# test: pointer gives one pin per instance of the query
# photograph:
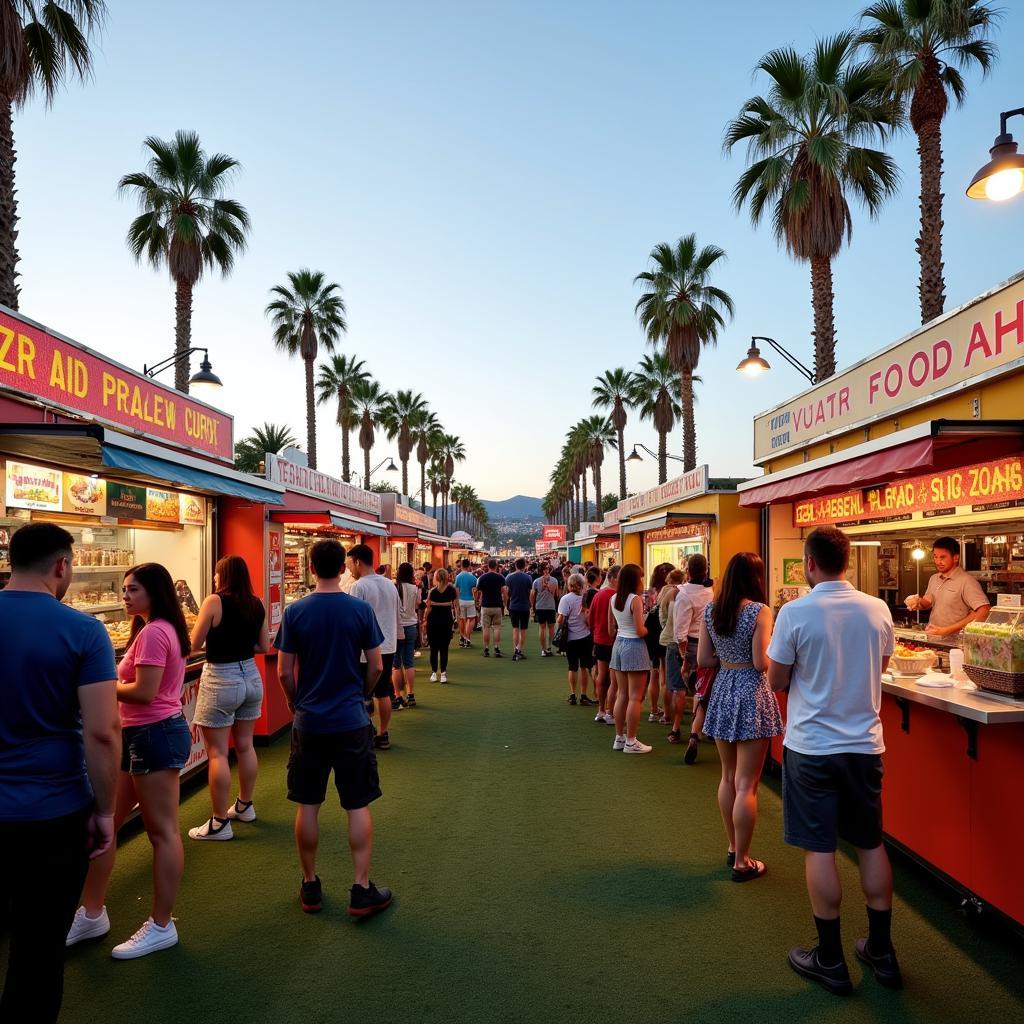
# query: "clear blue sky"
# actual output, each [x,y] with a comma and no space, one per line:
[484,180]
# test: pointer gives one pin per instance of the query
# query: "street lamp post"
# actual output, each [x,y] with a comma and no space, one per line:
[635,456]
[391,468]
[204,378]
[755,364]
[1003,176]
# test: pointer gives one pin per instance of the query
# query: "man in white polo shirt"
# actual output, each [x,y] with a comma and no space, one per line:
[829,650]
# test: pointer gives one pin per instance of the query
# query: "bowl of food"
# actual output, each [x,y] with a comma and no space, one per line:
[909,659]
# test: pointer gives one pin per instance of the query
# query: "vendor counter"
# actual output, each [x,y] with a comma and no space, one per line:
[954,772]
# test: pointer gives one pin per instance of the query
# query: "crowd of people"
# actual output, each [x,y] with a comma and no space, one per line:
[83,740]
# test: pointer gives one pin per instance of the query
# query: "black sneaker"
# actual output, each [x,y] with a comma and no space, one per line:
[833,979]
[487,653]
[396,704]
[311,896]
[587,702]
[885,968]
[515,655]
[410,701]
[382,742]
[572,699]
[547,653]
[365,902]
[497,653]
[522,656]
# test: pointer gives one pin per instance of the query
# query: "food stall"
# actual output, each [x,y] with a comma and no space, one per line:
[920,441]
[133,470]
[412,535]
[691,514]
[607,542]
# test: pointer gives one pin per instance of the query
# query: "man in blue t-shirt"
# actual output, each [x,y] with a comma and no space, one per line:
[327,633]
[520,586]
[465,584]
[60,749]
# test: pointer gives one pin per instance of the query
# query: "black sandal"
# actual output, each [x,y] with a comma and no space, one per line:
[691,749]
[756,870]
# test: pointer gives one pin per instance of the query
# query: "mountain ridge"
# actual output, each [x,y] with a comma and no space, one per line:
[519,506]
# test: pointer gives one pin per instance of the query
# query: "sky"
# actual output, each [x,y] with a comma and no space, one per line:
[484,180]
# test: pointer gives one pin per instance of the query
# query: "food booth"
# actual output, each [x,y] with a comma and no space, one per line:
[920,441]
[135,472]
[461,547]
[691,514]
[412,535]
[608,542]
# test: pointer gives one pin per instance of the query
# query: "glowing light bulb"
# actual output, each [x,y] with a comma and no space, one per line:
[753,369]
[1005,184]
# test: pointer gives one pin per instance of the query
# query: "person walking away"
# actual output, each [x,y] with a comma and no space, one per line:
[693,597]
[404,676]
[465,584]
[519,585]
[630,664]
[654,647]
[442,614]
[597,620]
[544,600]
[580,645]
[490,589]
[380,594]
[155,744]
[328,662]
[232,626]
[743,713]
[425,578]
[592,583]
[674,693]
[60,743]
[829,651]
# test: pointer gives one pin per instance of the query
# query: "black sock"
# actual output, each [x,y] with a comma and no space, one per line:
[880,931]
[830,944]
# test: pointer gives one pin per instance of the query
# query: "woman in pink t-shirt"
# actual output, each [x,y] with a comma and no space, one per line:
[156,742]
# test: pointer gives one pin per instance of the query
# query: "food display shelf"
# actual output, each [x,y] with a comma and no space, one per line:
[101,568]
[96,609]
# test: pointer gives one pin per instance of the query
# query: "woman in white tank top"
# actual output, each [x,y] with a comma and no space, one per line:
[631,663]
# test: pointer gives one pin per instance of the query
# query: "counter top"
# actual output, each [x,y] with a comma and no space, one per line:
[919,636]
[975,705]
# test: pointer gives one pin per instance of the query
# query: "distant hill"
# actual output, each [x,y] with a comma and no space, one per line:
[518,507]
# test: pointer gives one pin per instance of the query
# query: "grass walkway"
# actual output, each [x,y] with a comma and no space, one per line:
[538,877]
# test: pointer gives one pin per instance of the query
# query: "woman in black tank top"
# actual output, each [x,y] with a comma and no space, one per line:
[232,624]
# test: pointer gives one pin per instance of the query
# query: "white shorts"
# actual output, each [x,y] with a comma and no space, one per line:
[467,610]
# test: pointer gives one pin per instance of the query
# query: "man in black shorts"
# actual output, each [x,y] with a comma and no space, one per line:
[829,650]
[519,585]
[544,601]
[326,633]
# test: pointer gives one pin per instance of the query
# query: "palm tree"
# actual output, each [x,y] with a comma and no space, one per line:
[250,451]
[613,391]
[426,431]
[399,411]
[368,400]
[450,450]
[305,316]
[337,377]
[435,480]
[806,159]
[187,224]
[600,434]
[925,44]
[682,311]
[41,46]
[657,396]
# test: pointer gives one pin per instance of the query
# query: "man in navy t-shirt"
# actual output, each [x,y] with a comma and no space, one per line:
[519,585]
[490,589]
[327,633]
[60,749]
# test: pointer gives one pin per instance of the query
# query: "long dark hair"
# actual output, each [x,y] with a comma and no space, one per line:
[630,576]
[659,574]
[406,574]
[233,581]
[743,578]
[156,581]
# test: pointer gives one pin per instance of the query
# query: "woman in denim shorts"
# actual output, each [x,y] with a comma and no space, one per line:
[630,664]
[404,671]
[232,624]
[156,743]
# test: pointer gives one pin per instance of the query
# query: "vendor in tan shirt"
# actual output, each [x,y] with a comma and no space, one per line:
[953,597]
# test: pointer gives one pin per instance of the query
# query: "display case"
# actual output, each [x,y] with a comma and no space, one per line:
[994,651]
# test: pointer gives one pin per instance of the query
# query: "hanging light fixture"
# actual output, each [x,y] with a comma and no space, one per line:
[1002,177]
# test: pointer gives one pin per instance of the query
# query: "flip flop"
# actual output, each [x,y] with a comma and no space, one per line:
[730,859]
[756,870]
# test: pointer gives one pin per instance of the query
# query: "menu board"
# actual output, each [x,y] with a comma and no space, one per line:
[193,510]
[86,495]
[162,506]
[126,501]
[34,487]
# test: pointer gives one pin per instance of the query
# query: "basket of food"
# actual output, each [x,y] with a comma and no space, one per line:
[909,660]
[992,679]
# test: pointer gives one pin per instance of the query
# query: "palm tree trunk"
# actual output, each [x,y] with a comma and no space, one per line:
[586,504]
[345,473]
[689,426]
[182,334]
[434,496]
[622,463]
[423,486]
[932,286]
[405,476]
[662,457]
[8,210]
[598,497]
[310,414]
[366,468]
[822,300]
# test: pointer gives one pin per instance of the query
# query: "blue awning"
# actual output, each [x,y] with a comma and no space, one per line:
[231,483]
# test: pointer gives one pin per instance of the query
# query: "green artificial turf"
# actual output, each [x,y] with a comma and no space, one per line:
[538,876]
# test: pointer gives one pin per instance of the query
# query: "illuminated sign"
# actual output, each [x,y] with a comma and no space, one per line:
[85,495]
[62,374]
[985,337]
[986,485]
[319,485]
[691,531]
[686,486]
[34,487]
[554,534]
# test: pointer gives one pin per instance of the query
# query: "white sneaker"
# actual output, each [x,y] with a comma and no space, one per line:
[636,747]
[417,654]
[433,677]
[242,812]
[148,939]
[599,717]
[85,927]
[620,743]
[609,718]
[654,717]
[444,677]
[208,831]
